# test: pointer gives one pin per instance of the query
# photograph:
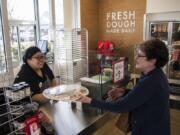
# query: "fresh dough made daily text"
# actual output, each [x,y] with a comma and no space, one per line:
[120,22]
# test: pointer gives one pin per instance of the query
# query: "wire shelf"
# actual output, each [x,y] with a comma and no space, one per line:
[10,109]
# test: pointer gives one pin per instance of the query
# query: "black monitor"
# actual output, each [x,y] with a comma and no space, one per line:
[43,46]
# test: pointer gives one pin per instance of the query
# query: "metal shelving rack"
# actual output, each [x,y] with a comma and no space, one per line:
[15,109]
[12,107]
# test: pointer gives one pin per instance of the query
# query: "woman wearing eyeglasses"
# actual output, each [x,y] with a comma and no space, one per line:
[148,101]
[36,73]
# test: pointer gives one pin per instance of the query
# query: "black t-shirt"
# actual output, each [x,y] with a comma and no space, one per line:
[28,75]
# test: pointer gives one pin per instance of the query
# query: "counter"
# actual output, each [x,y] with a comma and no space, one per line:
[70,120]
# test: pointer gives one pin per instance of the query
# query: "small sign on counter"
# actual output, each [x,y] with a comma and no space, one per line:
[120,69]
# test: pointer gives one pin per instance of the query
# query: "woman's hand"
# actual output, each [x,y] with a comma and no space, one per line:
[85,99]
[116,93]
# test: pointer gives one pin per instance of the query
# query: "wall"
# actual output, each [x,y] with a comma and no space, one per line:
[68,7]
[89,20]
[94,18]
[157,6]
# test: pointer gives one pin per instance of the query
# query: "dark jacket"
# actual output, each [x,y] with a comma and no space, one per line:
[148,102]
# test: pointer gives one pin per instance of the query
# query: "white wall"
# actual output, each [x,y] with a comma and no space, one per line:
[159,6]
[68,16]
[71,13]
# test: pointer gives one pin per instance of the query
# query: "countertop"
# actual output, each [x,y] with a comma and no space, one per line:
[70,120]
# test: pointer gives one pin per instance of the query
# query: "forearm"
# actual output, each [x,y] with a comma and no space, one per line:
[116,106]
[53,83]
[138,96]
[39,98]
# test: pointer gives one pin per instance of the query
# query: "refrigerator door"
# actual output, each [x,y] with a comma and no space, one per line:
[176,33]
[159,30]
[174,63]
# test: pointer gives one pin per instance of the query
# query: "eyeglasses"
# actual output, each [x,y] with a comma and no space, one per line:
[41,57]
[139,55]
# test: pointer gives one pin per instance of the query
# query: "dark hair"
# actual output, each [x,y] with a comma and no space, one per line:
[155,49]
[30,52]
